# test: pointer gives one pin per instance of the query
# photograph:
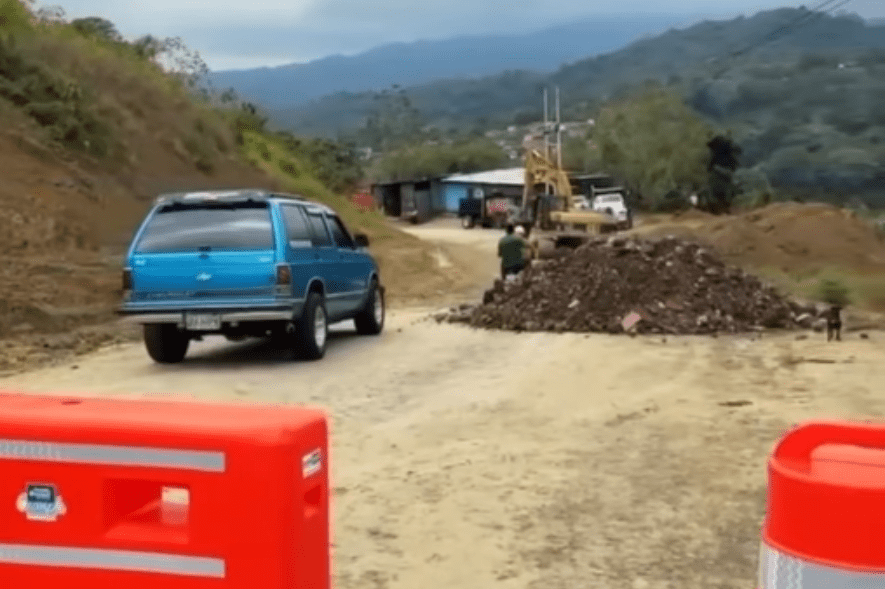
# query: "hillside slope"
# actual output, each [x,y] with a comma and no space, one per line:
[90,134]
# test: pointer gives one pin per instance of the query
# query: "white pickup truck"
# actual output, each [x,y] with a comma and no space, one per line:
[612,203]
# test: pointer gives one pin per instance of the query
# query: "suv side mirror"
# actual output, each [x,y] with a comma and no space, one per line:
[361,240]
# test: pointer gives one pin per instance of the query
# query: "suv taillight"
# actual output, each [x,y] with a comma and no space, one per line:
[284,275]
[127,279]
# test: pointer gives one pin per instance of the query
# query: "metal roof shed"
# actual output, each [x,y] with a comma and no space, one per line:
[508,182]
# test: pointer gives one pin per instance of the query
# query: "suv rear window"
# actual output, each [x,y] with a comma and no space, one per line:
[190,227]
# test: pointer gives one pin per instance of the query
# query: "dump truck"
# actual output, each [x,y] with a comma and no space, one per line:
[486,211]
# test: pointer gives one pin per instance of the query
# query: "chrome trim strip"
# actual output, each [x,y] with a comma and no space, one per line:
[112,455]
[112,560]
[257,316]
[152,318]
[349,293]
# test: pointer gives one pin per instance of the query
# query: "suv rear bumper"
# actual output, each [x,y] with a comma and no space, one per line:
[228,315]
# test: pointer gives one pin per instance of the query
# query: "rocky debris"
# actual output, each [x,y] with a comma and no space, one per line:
[621,285]
[459,314]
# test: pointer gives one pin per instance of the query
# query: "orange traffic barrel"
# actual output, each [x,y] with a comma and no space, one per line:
[825,525]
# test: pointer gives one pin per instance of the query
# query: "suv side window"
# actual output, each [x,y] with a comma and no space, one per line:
[319,232]
[339,233]
[296,224]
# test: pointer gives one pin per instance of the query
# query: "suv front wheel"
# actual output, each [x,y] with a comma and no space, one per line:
[165,343]
[312,331]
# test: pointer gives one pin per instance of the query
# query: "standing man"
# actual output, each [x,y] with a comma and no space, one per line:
[511,250]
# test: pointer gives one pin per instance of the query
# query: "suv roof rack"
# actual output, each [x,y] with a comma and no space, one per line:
[222,195]
[254,194]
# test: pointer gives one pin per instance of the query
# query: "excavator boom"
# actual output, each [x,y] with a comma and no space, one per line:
[540,171]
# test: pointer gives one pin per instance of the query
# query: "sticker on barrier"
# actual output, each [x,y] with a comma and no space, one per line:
[41,502]
[311,464]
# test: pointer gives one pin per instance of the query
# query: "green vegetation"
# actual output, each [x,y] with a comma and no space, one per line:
[655,143]
[427,161]
[55,101]
[273,155]
[88,88]
[59,73]
[831,286]
[806,110]
[335,164]
[833,292]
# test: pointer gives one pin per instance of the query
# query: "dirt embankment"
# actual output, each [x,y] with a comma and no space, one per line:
[789,237]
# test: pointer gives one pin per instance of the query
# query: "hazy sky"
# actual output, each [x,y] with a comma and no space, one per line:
[234,34]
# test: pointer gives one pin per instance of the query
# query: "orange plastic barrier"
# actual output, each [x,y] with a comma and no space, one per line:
[98,493]
[826,508]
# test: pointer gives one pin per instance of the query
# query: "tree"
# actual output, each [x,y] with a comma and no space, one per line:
[423,161]
[178,59]
[655,142]
[148,47]
[393,122]
[94,26]
[15,15]
[50,14]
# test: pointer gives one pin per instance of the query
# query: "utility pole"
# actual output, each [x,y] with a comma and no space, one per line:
[547,187]
[544,131]
[558,133]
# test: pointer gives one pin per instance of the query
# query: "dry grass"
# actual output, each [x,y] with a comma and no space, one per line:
[864,290]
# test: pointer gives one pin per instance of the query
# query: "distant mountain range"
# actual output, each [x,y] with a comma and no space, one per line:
[806,105]
[698,54]
[408,64]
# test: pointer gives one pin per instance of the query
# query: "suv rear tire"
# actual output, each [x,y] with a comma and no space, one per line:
[165,343]
[370,321]
[312,330]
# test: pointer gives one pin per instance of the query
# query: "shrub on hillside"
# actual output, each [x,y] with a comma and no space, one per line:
[55,102]
[833,292]
[14,16]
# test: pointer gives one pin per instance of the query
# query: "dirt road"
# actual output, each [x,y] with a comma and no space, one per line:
[468,459]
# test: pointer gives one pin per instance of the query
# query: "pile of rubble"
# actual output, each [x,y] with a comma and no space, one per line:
[618,285]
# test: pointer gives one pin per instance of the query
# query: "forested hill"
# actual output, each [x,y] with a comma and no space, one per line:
[695,56]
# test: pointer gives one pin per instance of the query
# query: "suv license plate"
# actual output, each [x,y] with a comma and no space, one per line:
[202,322]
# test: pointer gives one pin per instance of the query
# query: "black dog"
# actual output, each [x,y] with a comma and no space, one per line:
[834,323]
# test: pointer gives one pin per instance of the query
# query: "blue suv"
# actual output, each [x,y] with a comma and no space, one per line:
[247,263]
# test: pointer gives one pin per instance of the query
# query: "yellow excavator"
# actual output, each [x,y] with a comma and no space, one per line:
[550,211]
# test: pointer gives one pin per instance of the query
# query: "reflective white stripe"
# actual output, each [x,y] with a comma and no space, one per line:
[112,560]
[112,455]
[782,571]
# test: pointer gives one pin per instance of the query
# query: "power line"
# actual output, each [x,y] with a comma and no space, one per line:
[824,8]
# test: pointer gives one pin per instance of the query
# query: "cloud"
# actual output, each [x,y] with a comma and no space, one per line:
[236,34]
